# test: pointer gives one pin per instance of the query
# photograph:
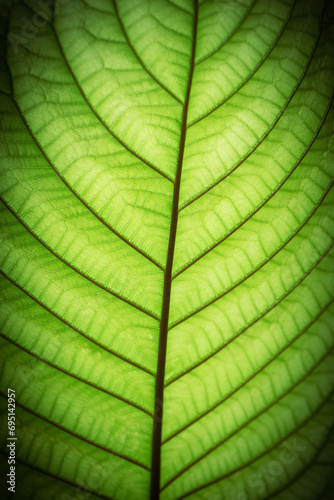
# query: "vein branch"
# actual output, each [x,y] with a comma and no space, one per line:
[249,421]
[257,67]
[137,56]
[118,139]
[80,332]
[79,379]
[93,212]
[78,487]
[220,296]
[75,269]
[262,315]
[303,471]
[100,119]
[276,445]
[253,375]
[224,42]
[270,129]
[77,436]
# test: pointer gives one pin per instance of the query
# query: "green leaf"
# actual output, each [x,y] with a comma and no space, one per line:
[166,248]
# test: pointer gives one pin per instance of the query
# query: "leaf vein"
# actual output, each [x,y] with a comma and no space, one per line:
[80,332]
[65,372]
[291,388]
[77,436]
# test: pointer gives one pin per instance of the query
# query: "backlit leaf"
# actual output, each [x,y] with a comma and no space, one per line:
[166,248]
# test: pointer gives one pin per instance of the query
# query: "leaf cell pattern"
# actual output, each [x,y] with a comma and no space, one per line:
[166,248]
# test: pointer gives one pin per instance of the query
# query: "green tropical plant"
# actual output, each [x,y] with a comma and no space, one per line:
[166,248]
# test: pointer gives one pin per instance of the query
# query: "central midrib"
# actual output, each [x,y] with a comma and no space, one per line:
[159,386]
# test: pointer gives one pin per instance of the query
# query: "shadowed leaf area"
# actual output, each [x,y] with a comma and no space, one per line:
[166,237]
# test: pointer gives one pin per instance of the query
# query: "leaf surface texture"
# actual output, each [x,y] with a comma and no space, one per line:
[166,248]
